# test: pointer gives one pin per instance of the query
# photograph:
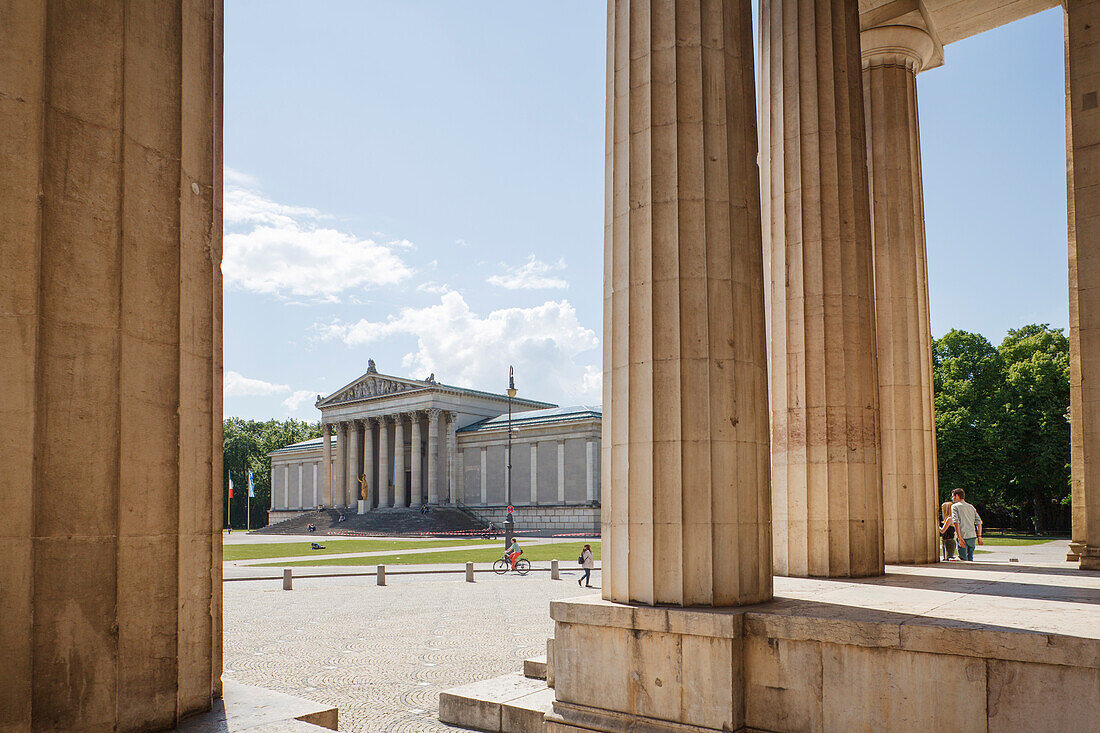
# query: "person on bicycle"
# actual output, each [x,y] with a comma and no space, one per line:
[514,552]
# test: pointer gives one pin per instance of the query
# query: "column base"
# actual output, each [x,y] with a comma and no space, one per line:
[824,655]
[1074,552]
[1090,558]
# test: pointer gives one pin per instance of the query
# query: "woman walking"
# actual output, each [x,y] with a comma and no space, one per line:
[587,563]
[947,531]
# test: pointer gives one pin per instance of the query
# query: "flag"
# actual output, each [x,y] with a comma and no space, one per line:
[230,487]
[251,486]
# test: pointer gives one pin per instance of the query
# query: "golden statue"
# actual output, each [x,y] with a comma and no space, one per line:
[363,487]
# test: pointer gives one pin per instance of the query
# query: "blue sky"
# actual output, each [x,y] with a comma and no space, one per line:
[421,182]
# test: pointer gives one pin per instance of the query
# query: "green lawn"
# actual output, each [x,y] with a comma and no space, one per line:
[296,549]
[564,551]
[1009,541]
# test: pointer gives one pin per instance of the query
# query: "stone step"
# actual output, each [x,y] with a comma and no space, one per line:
[509,704]
[251,709]
[535,668]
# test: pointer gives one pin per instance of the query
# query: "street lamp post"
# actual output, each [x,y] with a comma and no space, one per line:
[509,523]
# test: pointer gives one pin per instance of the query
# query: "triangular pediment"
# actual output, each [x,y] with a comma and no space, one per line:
[372,385]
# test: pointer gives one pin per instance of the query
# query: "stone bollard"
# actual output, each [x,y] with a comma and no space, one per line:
[554,573]
[381,575]
[469,572]
[288,574]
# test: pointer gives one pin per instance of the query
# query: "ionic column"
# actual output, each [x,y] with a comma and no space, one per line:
[351,486]
[1083,183]
[892,57]
[534,473]
[341,465]
[433,456]
[826,480]
[590,471]
[326,458]
[399,490]
[452,457]
[385,498]
[484,477]
[415,457]
[687,512]
[561,471]
[368,463]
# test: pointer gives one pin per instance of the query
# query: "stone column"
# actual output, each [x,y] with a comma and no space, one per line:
[484,476]
[1083,141]
[400,492]
[561,471]
[326,468]
[685,393]
[452,457]
[416,458]
[826,480]
[368,462]
[385,498]
[892,57]
[351,486]
[433,456]
[110,364]
[341,477]
[534,473]
[590,471]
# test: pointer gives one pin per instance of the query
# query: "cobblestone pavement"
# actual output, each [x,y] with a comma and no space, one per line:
[383,654]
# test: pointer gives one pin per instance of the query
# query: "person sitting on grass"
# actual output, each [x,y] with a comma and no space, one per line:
[514,552]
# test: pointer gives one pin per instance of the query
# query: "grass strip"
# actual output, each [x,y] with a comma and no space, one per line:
[567,552]
[333,547]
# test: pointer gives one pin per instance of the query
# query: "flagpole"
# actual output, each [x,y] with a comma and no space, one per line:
[248,512]
[229,505]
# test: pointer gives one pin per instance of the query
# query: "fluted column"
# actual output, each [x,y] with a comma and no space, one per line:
[326,465]
[351,486]
[414,456]
[399,490]
[341,478]
[1083,183]
[826,481]
[892,57]
[385,498]
[110,364]
[368,462]
[687,507]
[433,456]
[452,457]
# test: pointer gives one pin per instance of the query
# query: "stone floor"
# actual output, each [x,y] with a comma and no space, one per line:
[383,654]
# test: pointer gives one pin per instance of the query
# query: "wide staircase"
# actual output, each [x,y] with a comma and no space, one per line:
[394,522]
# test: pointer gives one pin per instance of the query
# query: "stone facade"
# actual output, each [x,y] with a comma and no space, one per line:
[408,442]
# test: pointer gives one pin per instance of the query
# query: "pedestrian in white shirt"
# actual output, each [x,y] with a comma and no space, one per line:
[968,525]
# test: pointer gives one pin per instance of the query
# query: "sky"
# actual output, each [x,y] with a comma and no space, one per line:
[421,182]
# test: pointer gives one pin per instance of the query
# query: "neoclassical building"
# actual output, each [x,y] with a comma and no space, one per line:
[398,442]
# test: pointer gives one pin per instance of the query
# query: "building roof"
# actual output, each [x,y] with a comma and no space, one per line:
[303,445]
[532,418]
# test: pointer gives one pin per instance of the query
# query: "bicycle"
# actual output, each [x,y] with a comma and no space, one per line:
[503,565]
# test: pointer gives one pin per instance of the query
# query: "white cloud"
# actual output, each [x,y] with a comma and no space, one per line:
[286,250]
[300,397]
[433,287]
[238,385]
[531,275]
[551,350]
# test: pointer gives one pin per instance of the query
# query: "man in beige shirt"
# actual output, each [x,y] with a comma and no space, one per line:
[968,525]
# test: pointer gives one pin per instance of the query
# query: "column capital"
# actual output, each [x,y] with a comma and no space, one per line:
[897,45]
[434,413]
[381,420]
[452,416]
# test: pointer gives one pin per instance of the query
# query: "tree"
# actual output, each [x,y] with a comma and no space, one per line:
[245,445]
[967,373]
[1033,427]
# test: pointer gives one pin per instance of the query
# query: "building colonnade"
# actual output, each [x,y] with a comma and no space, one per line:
[371,459]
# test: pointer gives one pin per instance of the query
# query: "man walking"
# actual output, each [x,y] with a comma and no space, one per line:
[968,525]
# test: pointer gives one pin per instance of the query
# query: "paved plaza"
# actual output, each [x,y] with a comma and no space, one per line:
[383,654]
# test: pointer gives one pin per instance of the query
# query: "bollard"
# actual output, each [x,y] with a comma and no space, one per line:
[381,575]
[469,572]
[554,574]
[288,574]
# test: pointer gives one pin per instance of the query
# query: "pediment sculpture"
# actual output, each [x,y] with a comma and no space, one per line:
[372,387]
